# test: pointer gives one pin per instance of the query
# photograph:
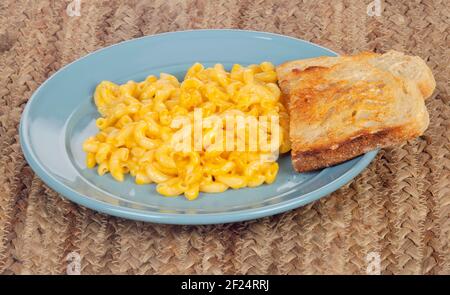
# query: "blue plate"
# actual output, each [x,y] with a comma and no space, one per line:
[61,114]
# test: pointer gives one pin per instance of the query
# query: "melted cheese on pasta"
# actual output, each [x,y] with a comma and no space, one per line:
[136,129]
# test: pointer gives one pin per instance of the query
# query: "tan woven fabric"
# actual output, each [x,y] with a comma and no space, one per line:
[399,207]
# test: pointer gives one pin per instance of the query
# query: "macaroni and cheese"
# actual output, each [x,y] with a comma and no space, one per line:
[140,130]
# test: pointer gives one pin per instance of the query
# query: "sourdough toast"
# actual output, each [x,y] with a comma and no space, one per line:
[342,107]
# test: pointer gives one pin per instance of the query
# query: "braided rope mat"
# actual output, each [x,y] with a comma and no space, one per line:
[398,208]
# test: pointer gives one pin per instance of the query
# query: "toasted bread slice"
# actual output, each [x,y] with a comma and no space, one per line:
[397,63]
[343,107]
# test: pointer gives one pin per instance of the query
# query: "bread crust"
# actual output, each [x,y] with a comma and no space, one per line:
[349,149]
[428,84]
[343,107]
[412,64]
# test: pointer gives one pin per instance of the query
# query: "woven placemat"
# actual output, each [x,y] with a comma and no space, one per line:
[396,211]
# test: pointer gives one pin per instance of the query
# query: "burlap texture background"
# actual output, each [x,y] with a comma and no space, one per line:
[399,207]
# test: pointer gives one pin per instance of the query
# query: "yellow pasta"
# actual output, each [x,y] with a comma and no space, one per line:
[143,124]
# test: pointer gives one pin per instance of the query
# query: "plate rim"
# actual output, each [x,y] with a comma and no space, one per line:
[176,218]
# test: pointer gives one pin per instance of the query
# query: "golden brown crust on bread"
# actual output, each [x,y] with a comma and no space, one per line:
[399,64]
[342,107]
[349,149]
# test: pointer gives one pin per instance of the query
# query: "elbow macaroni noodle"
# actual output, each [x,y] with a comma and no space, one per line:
[215,130]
